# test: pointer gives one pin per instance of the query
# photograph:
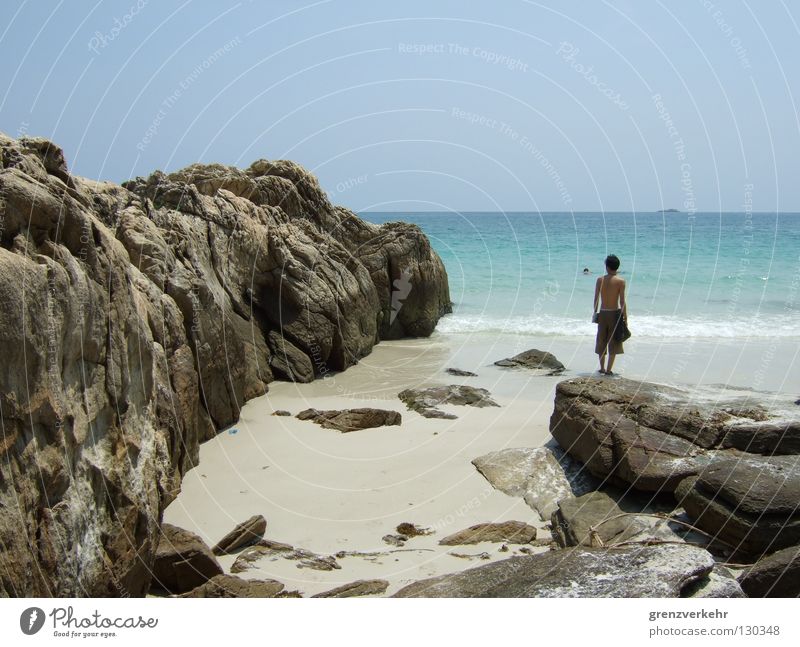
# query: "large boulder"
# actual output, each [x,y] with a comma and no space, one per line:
[138,319]
[596,519]
[541,475]
[652,437]
[774,576]
[750,504]
[230,586]
[651,571]
[183,561]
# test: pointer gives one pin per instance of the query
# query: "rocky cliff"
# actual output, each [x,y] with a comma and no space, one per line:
[137,320]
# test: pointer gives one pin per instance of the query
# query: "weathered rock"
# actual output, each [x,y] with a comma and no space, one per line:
[356,589]
[182,561]
[542,475]
[651,571]
[652,436]
[511,532]
[719,583]
[774,576]
[230,586]
[244,534]
[267,550]
[412,530]
[460,372]
[152,312]
[282,412]
[596,519]
[425,401]
[747,504]
[534,359]
[348,420]
[395,540]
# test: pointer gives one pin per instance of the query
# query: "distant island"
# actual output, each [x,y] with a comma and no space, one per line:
[668,211]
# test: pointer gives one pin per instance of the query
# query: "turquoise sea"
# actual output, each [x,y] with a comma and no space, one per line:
[712,275]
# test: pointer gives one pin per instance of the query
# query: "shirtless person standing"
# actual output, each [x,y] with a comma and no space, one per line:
[609,291]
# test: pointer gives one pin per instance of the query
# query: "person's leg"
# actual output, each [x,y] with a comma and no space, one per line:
[603,363]
[611,358]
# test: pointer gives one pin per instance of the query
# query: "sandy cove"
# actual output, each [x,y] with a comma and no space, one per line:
[328,492]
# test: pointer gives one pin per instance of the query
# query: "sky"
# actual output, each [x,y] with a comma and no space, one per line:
[431,105]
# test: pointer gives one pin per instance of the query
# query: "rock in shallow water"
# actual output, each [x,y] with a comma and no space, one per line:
[652,571]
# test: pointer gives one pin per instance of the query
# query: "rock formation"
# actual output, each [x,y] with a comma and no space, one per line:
[510,532]
[138,319]
[347,420]
[425,401]
[652,571]
[538,360]
[183,561]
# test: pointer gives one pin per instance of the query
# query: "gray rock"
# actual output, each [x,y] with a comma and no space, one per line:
[412,530]
[152,312]
[267,550]
[542,475]
[347,420]
[360,588]
[230,586]
[425,401]
[774,576]
[182,561]
[395,540]
[460,372]
[651,436]
[719,583]
[539,360]
[511,532]
[282,412]
[651,571]
[743,533]
[244,534]
[596,520]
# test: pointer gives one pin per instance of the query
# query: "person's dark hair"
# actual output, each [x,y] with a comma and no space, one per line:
[612,262]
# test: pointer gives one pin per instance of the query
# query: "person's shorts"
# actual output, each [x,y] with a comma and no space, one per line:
[605,343]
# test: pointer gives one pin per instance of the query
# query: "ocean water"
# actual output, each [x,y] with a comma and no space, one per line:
[729,275]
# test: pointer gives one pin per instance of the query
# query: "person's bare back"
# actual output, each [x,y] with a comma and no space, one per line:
[611,289]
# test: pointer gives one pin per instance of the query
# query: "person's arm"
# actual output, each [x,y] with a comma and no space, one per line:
[622,303]
[597,293]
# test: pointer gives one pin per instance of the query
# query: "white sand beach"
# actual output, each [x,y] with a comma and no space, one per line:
[328,492]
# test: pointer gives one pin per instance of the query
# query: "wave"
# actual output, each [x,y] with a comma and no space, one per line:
[664,326]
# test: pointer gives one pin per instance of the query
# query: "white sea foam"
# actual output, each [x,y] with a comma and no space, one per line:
[765,326]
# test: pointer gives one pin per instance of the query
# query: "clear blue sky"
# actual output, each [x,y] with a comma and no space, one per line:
[425,105]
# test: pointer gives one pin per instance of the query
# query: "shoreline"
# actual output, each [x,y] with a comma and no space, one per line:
[329,492]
